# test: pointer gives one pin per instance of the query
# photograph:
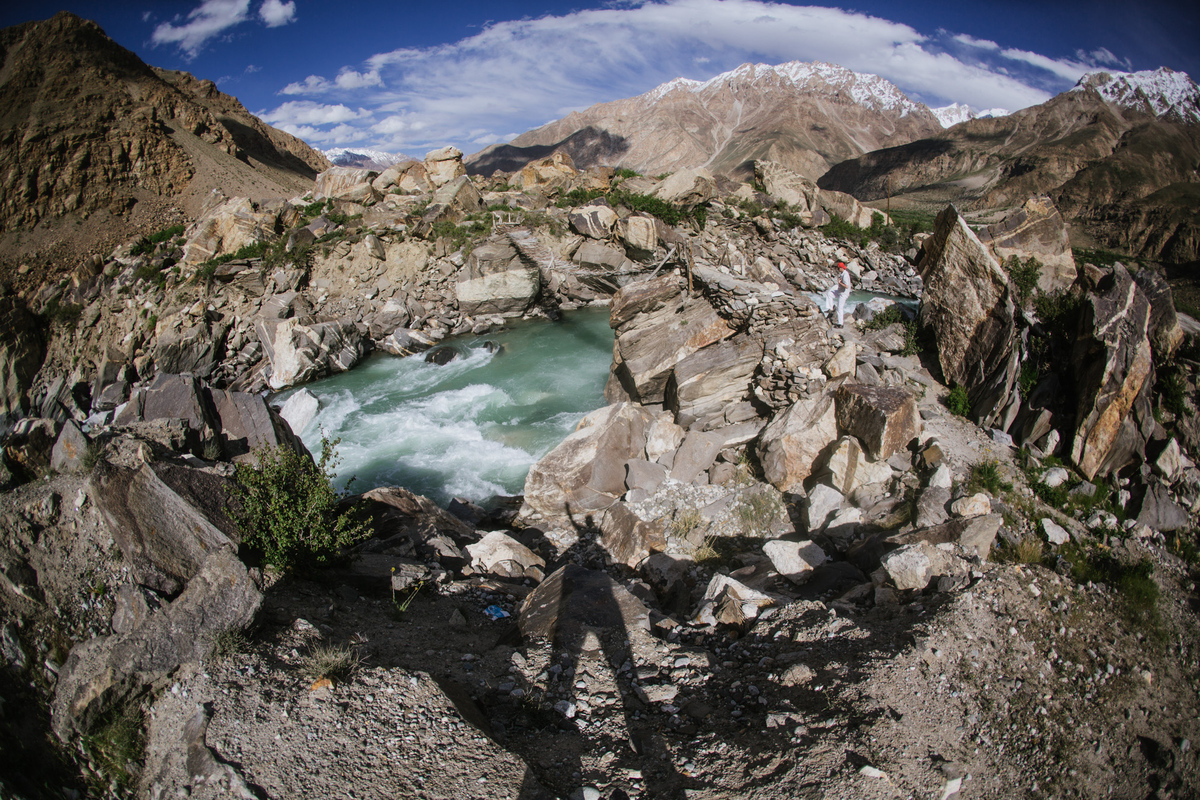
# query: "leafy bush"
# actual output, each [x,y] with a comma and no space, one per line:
[577,197]
[958,402]
[288,509]
[1024,275]
[624,172]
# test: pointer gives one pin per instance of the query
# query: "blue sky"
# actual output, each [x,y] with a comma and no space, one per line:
[409,77]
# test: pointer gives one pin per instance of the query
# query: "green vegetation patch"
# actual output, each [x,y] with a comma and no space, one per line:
[288,510]
[146,244]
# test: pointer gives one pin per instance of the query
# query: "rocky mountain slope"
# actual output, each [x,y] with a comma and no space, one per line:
[1118,154]
[94,140]
[806,116]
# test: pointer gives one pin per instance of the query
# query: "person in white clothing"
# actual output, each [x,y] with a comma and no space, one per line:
[841,291]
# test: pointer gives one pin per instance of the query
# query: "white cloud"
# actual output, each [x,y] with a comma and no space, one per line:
[499,79]
[208,20]
[306,112]
[275,13]
[349,79]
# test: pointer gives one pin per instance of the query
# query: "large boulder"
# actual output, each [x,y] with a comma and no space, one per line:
[795,438]
[585,473]
[712,378]
[968,304]
[1036,230]
[497,553]
[628,538]
[166,519]
[172,397]
[595,220]
[227,226]
[453,201]
[1114,376]
[22,349]
[785,185]
[849,467]
[639,233]
[302,352]
[688,187]
[883,418]
[497,280]
[554,171]
[101,672]
[352,184]
[246,423]
[444,165]
[190,345]
[650,342]
[1166,333]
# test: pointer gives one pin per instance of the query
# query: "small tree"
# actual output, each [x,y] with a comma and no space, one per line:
[289,508]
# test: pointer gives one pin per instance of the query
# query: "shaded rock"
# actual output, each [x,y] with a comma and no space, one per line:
[22,349]
[132,605]
[969,306]
[454,201]
[1171,462]
[629,539]
[1113,371]
[642,297]
[1036,230]
[884,418]
[441,356]
[408,524]
[1166,334]
[794,560]
[697,453]
[668,577]
[1158,511]
[823,502]
[69,449]
[729,602]
[593,255]
[795,438]
[497,553]
[931,506]
[31,446]
[172,397]
[849,467]
[572,600]
[101,672]
[166,519]
[197,349]
[644,475]
[586,471]
[245,423]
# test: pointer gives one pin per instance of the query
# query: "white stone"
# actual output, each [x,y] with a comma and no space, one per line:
[1055,533]
[941,478]
[500,554]
[974,506]
[794,560]
[1055,476]
[823,502]
[300,409]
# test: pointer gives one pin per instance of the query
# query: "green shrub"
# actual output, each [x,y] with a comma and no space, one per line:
[64,314]
[986,475]
[1090,564]
[116,745]
[959,402]
[288,509]
[334,662]
[146,244]
[577,197]
[624,172]
[1024,275]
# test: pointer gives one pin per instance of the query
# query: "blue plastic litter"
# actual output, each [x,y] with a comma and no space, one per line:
[496,612]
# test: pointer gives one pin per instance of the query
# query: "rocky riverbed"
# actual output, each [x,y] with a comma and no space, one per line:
[950,557]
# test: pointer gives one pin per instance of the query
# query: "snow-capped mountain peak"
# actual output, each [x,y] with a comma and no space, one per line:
[819,77]
[1162,92]
[363,157]
[959,112]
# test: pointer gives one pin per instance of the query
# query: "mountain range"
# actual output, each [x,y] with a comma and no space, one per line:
[806,116]
[1117,153]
